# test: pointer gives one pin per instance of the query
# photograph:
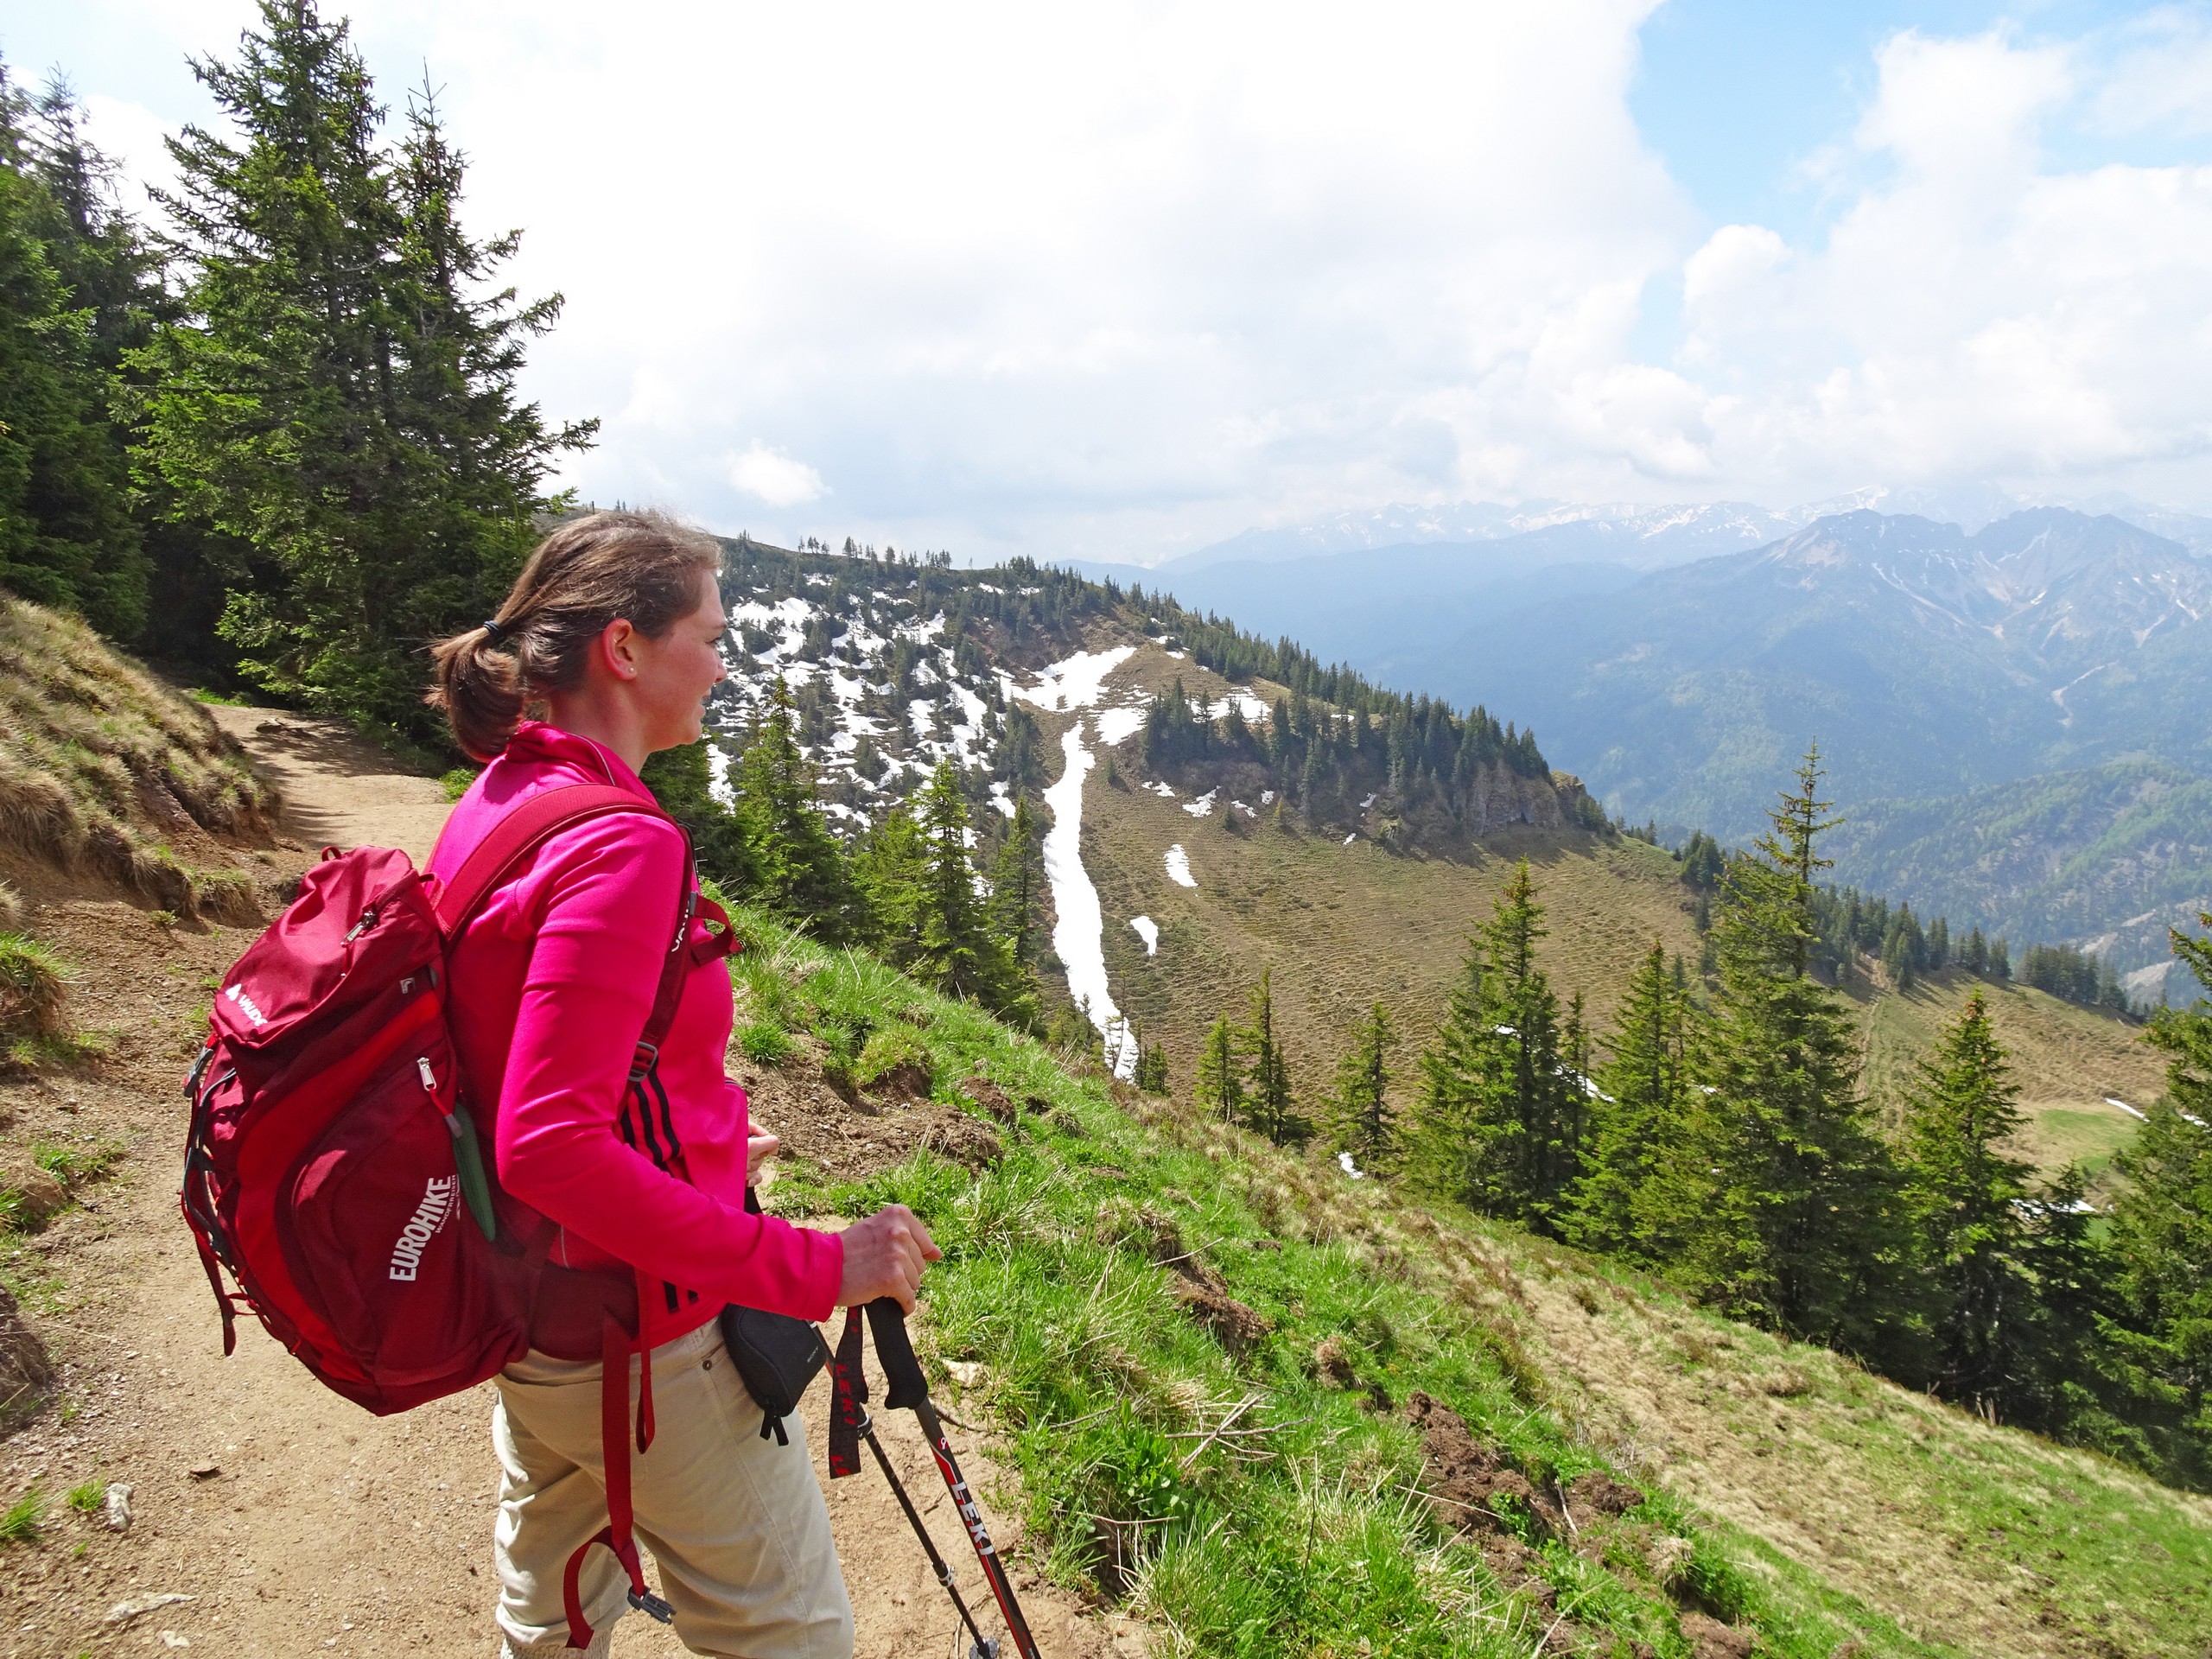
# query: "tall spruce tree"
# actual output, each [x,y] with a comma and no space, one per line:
[1269,1104]
[1644,1095]
[2162,1231]
[682,780]
[1497,1120]
[1018,886]
[802,870]
[1969,1201]
[1221,1072]
[892,872]
[1367,1128]
[1775,1203]
[67,537]
[957,950]
[334,409]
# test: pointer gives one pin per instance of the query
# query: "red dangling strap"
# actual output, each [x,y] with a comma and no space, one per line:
[614,1348]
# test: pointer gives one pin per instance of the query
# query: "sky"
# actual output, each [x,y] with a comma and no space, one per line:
[1112,282]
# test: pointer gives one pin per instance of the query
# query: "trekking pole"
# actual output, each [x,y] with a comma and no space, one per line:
[850,1424]
[984,1648]
[909,1390]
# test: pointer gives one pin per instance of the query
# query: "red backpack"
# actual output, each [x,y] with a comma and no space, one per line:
[332,1168]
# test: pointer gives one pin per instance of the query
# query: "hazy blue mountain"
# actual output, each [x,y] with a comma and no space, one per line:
[1381,609]
[1927,661]
[1615,532]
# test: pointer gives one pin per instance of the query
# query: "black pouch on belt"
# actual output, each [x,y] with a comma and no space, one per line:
[775,1355]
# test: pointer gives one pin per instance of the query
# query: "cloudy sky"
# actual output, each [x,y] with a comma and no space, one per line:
[1114,282]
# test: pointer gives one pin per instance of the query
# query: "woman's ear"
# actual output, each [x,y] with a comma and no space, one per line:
[617,649]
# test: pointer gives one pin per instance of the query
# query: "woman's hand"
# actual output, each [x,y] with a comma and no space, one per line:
[884,1257]
[758,1149]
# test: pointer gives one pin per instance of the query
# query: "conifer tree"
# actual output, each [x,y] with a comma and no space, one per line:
[956,949]
[1018,887]
[2162,1226]
[1221,1073]
[1151,1072]
[803,872]
[1968,1199]
[681,780]
[334,409]
[67,537]
[1496,1129]
[892,872]
[1777,1193]
[1269,1104]
[1644,1092]
[1366,1126]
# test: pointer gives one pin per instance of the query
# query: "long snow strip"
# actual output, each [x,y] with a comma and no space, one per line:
[1078,932]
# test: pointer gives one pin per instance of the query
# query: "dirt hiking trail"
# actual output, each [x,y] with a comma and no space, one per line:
[269,1515]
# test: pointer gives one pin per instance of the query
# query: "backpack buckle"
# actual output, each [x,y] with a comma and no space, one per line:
[653,1606]
[643,1062]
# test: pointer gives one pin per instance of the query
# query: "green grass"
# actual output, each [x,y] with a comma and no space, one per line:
[765,1043]
[87,1497]
[20,1523]
[229,699]
[1301,1531]
[74,1165]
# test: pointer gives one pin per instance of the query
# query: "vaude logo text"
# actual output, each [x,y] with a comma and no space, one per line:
[237,994]
[430,1216]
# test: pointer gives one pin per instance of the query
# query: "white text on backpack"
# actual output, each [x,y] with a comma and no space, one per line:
[430,1216]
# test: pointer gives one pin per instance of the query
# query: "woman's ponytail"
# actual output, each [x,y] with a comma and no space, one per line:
[643,567]
[481,689]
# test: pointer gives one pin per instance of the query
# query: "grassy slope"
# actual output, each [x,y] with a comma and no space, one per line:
[2066,1060]
[1342,926]
[1817,1505]
[106,770]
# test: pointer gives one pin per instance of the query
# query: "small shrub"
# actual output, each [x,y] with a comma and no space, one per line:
[20,1524]
[765,1043]
[456,782]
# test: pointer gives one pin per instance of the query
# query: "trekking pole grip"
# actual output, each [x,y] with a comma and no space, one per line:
[895,1350]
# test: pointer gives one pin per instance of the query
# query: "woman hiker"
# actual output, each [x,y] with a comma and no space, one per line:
[615,628]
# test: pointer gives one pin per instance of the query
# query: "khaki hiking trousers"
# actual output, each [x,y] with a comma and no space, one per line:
[737,1524]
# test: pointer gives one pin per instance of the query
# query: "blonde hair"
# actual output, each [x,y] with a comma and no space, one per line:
[643,568]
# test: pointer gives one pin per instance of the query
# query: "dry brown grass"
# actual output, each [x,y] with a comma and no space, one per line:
[104,770]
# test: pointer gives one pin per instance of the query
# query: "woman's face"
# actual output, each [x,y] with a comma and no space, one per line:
[676,671]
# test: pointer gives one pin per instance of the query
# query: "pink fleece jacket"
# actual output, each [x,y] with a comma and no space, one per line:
[552,981]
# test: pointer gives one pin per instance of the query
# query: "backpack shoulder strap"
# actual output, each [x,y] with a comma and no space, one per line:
[525,828]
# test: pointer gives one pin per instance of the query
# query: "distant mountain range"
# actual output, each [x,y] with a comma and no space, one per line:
[1646,536]
[1927,661]
[2014,715]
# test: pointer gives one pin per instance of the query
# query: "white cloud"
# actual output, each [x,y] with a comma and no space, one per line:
[771,476]
[1111,282]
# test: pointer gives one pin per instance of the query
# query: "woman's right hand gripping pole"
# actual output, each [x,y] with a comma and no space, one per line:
[885,1255]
